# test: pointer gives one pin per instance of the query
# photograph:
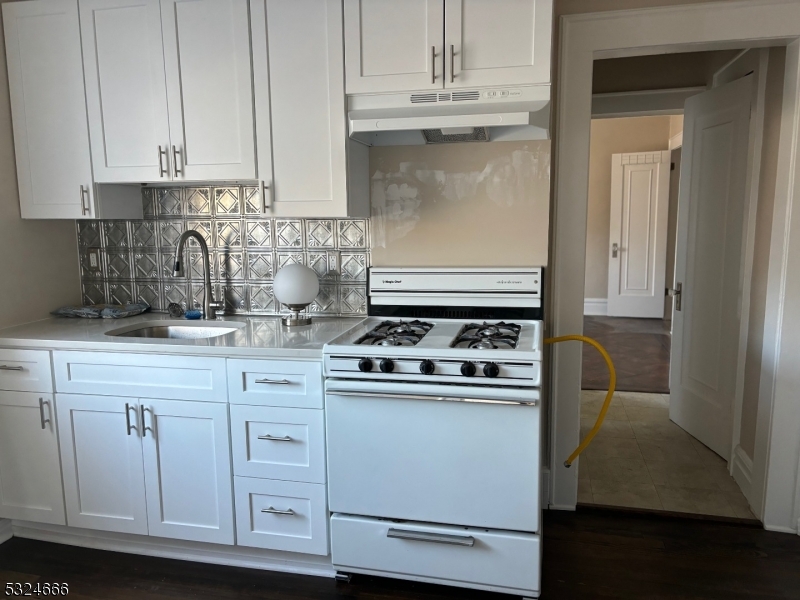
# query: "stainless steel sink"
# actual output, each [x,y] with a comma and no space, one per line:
[174,331]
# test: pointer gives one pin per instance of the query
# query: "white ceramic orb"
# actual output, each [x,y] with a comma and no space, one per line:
[295,285]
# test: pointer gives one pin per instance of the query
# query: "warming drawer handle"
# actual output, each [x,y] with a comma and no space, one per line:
[436,538]
[273,438]
[274,381]
[10,368]
[437,398]
[276,511]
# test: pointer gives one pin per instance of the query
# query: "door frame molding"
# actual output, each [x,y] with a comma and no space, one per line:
[613,34]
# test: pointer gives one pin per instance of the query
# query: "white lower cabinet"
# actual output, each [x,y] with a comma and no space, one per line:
[281,515]
[30,473]
[156,467]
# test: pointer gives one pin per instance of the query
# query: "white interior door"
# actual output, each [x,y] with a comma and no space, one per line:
[394,46]
[30,472]
[101,456]
[708,263]
[187,462]
[210,89]
[126,94]
[638,234]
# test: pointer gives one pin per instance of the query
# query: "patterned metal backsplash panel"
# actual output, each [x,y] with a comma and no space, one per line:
[246,250]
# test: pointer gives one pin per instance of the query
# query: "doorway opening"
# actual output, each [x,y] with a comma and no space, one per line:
[655,225]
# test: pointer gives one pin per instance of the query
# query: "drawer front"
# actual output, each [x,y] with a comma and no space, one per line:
[141,375]
[25,371]
[281,515]
[498,560]
[275,383]
[278,443]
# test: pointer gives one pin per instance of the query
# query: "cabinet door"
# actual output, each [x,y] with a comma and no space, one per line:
[101,456]
[188,470]
[30,471]
[299,78]
[393,46]
[126,94]
[48,107]
[502,42]
[209,88]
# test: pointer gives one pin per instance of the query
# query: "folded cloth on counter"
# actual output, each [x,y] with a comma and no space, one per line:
[102,311]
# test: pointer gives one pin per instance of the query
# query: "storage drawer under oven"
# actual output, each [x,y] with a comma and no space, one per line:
[407,456]
[502,561]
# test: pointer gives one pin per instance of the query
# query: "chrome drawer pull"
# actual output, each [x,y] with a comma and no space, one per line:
[8,368]
[285,438]
[44,419]
[436,538]
[276,511]
[274,381]
[366,394]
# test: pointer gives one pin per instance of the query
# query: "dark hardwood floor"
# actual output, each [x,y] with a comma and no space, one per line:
[639,349]
[593,553]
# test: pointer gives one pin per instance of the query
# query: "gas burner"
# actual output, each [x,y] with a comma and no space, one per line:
[395,333]
[495,336]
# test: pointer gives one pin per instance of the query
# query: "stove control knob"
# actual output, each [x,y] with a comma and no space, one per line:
[491,370]
[426,367]
[365,365]
[468,369]
[387,365]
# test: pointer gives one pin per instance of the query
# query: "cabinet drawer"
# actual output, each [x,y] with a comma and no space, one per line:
[278,443]
[141,375]
[275,383]
[25,371]
[281,515]
[498,560]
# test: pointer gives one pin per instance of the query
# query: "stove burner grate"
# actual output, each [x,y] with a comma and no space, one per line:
[488,336]
[395,333]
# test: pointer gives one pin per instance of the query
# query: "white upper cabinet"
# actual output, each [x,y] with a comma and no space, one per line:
[303,148]
[394,46]
[126,92]
[209,88]
[502,42]
[51,134]
[419,45]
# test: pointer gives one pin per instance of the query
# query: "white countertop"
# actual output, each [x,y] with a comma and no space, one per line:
[259,337]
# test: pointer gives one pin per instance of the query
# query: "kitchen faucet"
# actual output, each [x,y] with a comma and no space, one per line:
[209,306]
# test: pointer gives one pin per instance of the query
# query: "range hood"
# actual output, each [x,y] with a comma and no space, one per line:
[469,115]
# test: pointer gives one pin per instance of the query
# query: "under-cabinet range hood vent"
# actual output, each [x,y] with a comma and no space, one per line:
[476,115]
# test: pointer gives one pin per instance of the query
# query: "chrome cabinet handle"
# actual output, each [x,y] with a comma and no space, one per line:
[265,197]
[366,394]
[276,511]
[452,62]
[614,250]
[433,64]
[436,538]
[145,428]
[273,438]
[43,419]
[128,417]
[85,207]
[274,381]
[10,368]
[175,168]
[162,170]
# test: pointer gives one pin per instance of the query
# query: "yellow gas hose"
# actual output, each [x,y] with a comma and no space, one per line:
[610,394]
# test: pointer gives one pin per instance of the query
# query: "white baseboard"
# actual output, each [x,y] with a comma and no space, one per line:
[234,556]
[742,470]
[596,307]
[781,529]
[6,532]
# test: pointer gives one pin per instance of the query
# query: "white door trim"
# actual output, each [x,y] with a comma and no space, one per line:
[626,33]
[642,103]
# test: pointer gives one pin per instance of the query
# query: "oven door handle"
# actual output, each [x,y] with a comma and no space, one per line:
[436,398]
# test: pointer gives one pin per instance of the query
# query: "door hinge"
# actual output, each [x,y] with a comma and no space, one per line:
[676,293]
[671,166]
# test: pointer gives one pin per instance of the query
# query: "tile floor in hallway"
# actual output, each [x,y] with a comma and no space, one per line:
[641,459]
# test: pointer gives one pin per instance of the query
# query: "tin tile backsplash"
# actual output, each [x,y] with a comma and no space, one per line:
[246,250]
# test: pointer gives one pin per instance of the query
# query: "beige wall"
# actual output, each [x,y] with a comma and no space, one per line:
[675,125]
[40,266]
[612,136]
[460,205]
[758,289]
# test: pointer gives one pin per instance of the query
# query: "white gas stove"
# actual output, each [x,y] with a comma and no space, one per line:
[433,424]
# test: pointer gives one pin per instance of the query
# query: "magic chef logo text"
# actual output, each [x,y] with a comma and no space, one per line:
[508,281]
[392,281]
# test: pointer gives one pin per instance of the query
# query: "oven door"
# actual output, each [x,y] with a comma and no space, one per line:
[461,455]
